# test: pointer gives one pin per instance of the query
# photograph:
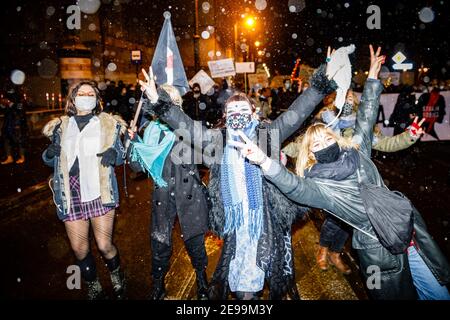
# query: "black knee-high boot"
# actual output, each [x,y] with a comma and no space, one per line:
[117,276]
[89,275]
[161,253]
[197,252]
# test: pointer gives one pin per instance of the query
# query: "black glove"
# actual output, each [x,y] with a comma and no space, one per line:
[108,157]
[53,150]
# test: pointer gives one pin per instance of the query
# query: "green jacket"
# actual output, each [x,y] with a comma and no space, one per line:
[385,143]
[381,142]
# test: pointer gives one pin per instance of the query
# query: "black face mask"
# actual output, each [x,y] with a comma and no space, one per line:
[328,154]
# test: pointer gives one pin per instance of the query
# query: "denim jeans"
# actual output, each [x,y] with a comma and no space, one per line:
[428,288]
[333,234]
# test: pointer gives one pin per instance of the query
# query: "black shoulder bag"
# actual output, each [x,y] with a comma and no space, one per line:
[391,215]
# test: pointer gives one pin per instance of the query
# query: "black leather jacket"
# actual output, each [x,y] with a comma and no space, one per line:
[342,199]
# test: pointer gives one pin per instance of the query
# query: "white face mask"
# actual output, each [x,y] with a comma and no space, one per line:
[85,103]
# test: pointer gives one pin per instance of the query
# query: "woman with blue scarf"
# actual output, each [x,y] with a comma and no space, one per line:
[178,191]
[251,215]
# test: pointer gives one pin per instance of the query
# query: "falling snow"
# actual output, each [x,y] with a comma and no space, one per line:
[426,15]
[112,66]
[89,6]
[17,77]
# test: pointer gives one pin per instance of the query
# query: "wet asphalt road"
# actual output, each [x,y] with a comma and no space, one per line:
[36,251]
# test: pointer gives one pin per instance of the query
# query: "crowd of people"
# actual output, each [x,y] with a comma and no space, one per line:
[252,199]
[121,99]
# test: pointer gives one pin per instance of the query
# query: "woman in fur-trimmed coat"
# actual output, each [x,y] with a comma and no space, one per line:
[248,212]
[85,147]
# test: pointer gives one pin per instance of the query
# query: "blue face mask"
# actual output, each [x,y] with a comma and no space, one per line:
[238,121]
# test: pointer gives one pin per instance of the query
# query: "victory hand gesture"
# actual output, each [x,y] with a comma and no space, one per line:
[149,86]
[415,129]
[375,62]
[248,149]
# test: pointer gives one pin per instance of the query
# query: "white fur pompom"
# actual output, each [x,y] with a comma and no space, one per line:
[340,70]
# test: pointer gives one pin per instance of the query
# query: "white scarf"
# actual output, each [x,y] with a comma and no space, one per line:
[84,145]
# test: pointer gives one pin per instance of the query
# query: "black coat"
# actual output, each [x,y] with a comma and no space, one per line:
[401,116]
[274,253]
[185,195]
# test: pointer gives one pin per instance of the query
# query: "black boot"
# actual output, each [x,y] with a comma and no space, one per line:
[158,291]
[117,277]
[293,292]
[119,284]
[202,285]
[89,275]
[95,290]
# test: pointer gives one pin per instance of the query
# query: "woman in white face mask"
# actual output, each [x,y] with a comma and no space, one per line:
[85,147]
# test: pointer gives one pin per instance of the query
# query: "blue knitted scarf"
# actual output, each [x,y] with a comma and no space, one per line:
[239,179]
[150,153]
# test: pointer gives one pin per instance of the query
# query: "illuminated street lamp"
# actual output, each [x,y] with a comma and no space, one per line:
[249,22]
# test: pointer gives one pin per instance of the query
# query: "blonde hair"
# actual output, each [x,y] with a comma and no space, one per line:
[305,158]
[173,93]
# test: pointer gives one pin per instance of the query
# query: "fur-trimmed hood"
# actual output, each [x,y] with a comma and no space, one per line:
[107,121]
[56,130]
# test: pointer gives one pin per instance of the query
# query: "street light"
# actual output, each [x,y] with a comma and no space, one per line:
[257,44]
[250,22]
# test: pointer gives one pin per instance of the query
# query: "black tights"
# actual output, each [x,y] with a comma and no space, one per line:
[78,233]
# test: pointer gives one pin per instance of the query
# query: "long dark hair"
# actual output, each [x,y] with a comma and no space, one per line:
[71,110]
[238,96]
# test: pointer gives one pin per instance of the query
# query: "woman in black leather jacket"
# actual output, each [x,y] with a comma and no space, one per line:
[328,176]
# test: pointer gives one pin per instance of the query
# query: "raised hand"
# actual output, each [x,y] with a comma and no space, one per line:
[149,86]
[415,129]
[248,149]
[375,62]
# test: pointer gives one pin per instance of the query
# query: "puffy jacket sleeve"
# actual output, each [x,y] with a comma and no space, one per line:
[291,120]
[367,115]
[395,143]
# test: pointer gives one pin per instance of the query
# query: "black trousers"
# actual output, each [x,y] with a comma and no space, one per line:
[333,234]
[162,252]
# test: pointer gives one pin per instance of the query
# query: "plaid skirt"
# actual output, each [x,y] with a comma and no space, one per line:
[83,210]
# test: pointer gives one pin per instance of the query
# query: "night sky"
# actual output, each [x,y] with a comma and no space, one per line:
[285,35]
